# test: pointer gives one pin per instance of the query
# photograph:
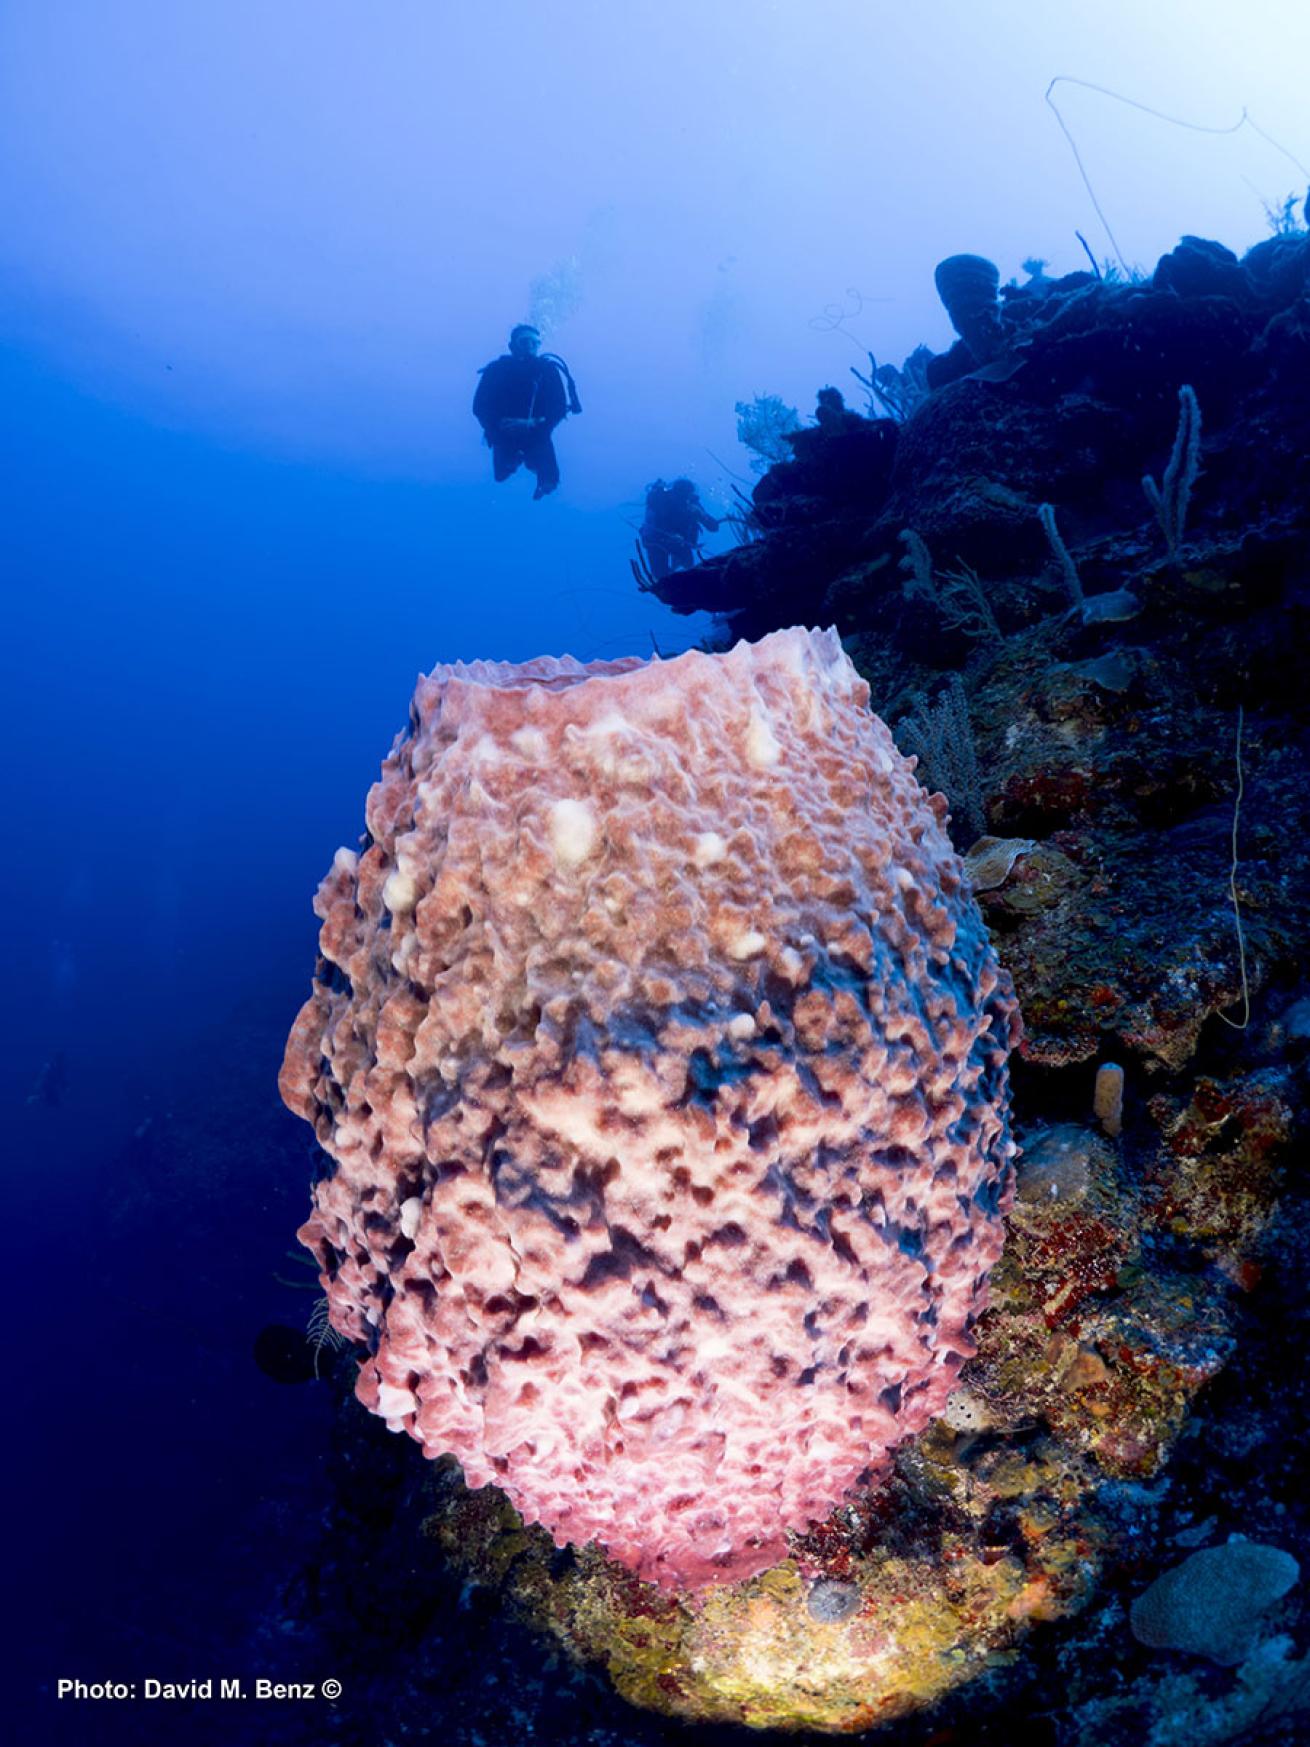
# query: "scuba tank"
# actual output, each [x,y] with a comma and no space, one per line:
[575,405]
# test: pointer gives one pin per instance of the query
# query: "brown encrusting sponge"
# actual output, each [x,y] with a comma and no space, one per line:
[661,1052]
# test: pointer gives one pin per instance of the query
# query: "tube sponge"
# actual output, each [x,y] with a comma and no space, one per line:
[968,286]
[661,1053]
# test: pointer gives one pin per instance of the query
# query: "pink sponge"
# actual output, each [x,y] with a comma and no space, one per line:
[660,1050]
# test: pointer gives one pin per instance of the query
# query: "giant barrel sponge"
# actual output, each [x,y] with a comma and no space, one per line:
[660,1052]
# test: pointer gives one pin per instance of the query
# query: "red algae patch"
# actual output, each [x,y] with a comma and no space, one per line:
[660,1052]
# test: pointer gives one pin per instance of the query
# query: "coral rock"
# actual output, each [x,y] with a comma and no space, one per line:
[660,1050]
[1212,1603]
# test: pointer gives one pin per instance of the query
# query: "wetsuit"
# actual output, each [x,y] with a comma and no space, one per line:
[519,402]
[671,530]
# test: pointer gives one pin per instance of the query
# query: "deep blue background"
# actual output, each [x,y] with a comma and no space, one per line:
[208,653]
[250,259]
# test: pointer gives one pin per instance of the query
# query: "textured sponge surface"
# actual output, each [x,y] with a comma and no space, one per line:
[659,1050]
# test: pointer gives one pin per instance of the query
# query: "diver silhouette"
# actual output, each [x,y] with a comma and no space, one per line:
[832,418]
[672,527]
[520,399]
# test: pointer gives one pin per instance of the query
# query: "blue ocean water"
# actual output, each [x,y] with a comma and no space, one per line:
[208,654]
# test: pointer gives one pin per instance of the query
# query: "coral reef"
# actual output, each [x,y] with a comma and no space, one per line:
[1081,403]
[1006,1513]
[660,1051]
[1138,1392]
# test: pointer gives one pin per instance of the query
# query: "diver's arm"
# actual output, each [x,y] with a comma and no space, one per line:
[488,401]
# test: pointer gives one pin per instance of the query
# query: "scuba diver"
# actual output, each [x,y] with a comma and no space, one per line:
[520,400]
[671,530]
[832,418]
